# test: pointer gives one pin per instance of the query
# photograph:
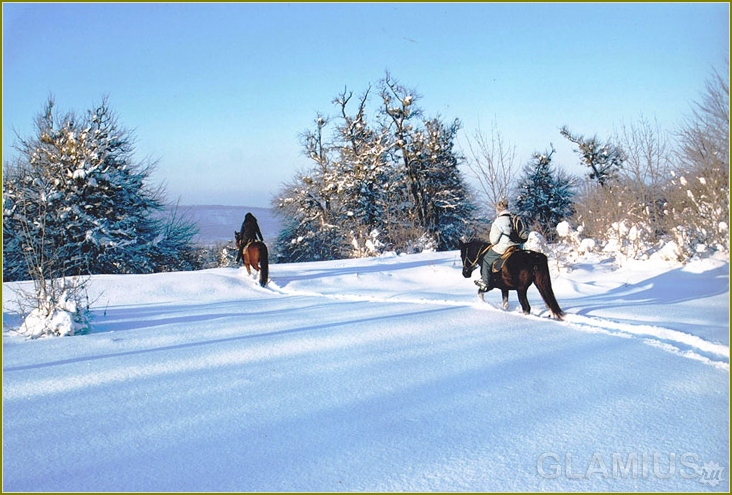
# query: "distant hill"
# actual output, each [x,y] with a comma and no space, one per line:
[217,223]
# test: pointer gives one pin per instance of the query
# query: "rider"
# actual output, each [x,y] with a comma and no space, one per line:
[250,230]
[500,238]
[249,233]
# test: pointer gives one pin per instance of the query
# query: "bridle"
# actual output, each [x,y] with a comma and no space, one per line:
[480,254]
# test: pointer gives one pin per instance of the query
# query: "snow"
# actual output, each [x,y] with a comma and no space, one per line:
[59,322]
[378,374]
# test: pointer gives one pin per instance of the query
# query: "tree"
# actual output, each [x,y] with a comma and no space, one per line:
[493,163]
[699,193]
[311,205]
[373,186]
[77,177]
[76,203]
[363,171]
[604,159]
[448,208]
[544,194]
[642,182]
[439,200]
[398,111]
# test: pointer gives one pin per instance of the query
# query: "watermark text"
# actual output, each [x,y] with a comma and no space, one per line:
[630,465]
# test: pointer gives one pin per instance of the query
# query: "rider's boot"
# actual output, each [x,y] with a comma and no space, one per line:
[482,286]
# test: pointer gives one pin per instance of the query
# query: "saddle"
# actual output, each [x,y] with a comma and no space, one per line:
[498,264]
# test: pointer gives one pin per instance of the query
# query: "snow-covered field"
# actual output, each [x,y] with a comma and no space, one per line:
[381,374]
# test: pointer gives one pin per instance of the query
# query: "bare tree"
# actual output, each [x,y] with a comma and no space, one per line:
[645,173]
[493,163]
[648,152]
[43,259]
[670,186]
[399,108]
[700,206]
[704,134]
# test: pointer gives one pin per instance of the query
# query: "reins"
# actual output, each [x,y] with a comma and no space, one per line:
[478,257]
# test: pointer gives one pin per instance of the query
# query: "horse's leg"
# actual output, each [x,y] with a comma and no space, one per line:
[504,294]
[524,300]
[246,262]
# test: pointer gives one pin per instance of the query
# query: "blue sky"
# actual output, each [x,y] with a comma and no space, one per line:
[218,94]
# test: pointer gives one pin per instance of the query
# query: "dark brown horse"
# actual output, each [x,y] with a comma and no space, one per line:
[519,271]
[255,255]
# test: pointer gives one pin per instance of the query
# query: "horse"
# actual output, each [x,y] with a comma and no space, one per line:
[519,271]
[255,255]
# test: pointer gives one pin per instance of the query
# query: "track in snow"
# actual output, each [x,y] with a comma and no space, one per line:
[682,344]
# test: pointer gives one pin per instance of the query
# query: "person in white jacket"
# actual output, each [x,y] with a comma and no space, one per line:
[500,238]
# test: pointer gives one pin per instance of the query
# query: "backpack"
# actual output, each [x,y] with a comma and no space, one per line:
[519,229]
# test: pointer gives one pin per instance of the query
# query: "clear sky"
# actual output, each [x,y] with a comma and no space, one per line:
[219,94]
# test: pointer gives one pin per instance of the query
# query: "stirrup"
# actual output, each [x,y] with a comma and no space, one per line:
[482,287]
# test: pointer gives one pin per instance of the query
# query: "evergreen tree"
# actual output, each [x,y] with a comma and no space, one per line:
[75,202]
[544,194]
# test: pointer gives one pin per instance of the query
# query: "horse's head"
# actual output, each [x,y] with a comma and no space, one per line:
[467,270]
[237,238]
[471,254]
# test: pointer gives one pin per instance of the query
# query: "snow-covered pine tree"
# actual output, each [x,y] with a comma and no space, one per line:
[77,199]
[544,194]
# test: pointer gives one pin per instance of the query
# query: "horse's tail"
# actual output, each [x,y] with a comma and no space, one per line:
[263,264]
[544,283]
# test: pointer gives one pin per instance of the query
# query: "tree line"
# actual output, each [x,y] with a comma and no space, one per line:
[645,186]
[383,176]
[76,202]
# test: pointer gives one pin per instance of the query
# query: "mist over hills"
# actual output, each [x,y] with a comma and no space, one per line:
[217,223]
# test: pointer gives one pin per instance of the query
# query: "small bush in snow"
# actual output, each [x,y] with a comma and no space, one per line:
[57,308]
